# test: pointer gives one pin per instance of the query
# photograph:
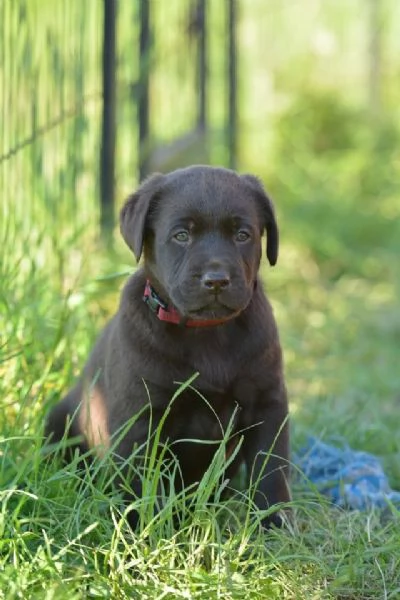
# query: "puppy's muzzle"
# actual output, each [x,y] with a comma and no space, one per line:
[215,281]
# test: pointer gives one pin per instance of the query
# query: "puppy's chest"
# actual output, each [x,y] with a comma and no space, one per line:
[217,370]
[193,417]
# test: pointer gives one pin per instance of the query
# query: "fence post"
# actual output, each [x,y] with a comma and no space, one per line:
[107,154]
[232,82]
[143,99]
[202,64]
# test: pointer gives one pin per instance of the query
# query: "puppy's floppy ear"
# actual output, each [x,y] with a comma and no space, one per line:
[268,212]
[135,210]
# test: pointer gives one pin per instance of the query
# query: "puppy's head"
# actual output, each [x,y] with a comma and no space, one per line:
[201,230]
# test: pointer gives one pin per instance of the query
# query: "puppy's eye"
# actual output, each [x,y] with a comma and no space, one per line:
[242,236]
[182,236]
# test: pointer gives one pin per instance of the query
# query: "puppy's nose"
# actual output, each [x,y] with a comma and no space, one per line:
[215,281]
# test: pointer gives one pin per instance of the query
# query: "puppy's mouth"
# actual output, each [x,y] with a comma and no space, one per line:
[213,310]
[211,313]
[196,305]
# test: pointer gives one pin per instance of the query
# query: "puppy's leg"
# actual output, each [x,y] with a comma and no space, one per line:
[142,461]
[266,453]
[62,423]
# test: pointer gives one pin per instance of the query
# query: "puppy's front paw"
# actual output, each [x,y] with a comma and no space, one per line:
[279,519]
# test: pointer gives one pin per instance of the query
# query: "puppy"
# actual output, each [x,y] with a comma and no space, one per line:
[196,305]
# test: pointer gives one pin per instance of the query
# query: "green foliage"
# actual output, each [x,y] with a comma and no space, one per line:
[318,123]
[336,172]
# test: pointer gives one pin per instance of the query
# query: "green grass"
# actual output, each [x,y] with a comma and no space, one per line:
[63,532]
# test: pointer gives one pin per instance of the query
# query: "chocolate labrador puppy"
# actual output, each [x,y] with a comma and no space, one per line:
[196,306]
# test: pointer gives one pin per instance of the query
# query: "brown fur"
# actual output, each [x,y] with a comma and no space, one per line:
[92,419]
[138,357]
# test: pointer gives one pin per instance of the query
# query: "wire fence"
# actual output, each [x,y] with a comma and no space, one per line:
[51,98]
[96,94]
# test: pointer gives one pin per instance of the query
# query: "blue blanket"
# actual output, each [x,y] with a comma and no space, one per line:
[349,478]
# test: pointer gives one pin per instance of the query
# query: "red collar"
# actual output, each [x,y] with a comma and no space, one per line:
[169,314]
